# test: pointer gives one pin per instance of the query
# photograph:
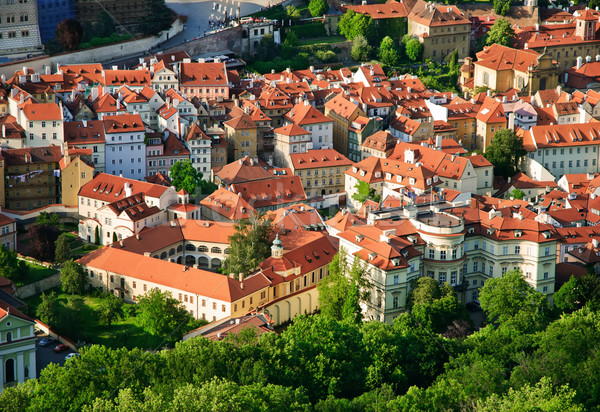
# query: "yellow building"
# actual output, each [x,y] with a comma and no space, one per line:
[321,171]
[32,177]
[343,112]
[502,68]
[242,137]
[76,169]
[490,119]
[441,30]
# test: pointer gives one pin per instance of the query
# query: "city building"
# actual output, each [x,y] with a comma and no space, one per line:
[51,13]
[19,32]
[321,171]
[125,148]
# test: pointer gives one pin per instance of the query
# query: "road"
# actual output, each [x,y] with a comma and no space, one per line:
[199,12]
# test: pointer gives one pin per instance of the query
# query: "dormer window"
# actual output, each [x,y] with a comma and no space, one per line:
[518,233]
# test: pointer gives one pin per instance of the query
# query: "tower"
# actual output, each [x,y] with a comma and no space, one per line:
[585,24]
[277,248]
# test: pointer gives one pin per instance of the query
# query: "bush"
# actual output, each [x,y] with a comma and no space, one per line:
[326,56]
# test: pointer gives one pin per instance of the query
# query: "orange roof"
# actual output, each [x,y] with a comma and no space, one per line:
[91,131]
[498,57]
[491,111]
[319,158]
[32,155]
[246,169]
[389,10]
[172,275]
[381,140]
[342,106]
[228,204]
[139,77]
[563,135]
[203,74]
[434,16]
[305,114]
[291,130]
[109,188]
[241,122]
[123,123]
[271,192]
[42,111]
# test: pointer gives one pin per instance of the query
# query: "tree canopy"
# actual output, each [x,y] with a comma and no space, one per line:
[69,34]
[353,24]
[11,267]
[364,192]
[361,50]
[63,248]
[41,241]
[249,245]
[388,52]
[73,278]
[414,50]
[161,315]
[157,17]
[501,32]
[184,176]
[317,7]
[502,7]
[505,152]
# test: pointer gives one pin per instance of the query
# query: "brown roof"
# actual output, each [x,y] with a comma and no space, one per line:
[203,74]
[91,131]
[271,192]
[122,123]
[319,158]
[109,188]
[241,122]
[47,154]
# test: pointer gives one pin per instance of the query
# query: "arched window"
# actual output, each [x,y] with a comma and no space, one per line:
[215,250]
[189,247]
[203,262]
[226,251]
[179,248]
[215,263]
[172,252]
[202,249]
[163,255]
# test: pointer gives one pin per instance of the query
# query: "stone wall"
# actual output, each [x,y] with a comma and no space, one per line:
[228,39]
[38,287]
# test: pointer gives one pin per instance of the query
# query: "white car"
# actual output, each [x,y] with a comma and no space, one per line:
[71,356]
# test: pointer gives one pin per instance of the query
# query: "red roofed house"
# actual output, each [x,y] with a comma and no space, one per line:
[242,136]
[562,149]
[88,134]
[121,207]
[204,80]
[321,171]
[563,42]
[343,112]
[162,154]
[290,139]
[502,68]
[584,75]
[43,123]
[441,29]
[310,119]
[490,119]
[125,148]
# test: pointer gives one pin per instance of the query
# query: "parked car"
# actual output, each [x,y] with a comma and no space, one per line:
[71,356]
[46,341]
[60,348]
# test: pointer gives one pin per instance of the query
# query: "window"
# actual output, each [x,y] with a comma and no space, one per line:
[442,277]
[453,254]
[395,302]
[475,266]
[492,249]
[431,254]
[431,274]
[504,270]
[547,251]
[442,255]
[453,277]
[517,250]
[215,305]
[545,289]
[505,250]
[396,279]
[546,275]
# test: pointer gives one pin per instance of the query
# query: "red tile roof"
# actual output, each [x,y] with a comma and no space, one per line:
[319,158]
[109,188]
[203,74]
[123,123]
[42,111]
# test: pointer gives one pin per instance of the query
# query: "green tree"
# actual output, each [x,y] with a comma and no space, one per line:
[517,194]
[157,17]
[414,50]
[388,52]
[292,12]
[353,24]
[505,152]
[577,293]
[110,309]
[185,176]
[161,315]
[435,306]
[45,218]
[104,27]
[502,7]
[291,39]
[97,236]
[249,245]
[592,4]
[361,50]
[501,32]
[364,192]
[73,278]
[47,309]
[543,397]
[69,34]
[510,300]
[317,7]
[453,61]
[11,267]
[114,237]
[344,288]
[63,248]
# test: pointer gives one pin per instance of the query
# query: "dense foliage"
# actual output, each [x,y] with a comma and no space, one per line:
[184,176]
[249,245]
[505,152]
[11,267]
[501,33]
[69,34]
[523,361]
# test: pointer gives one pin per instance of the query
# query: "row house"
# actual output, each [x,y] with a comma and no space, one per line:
[112,80]
[321,171]
[162,152]
[88,134]
[246,169]
[125,147]
[204,80]
[562,149]
[343,112]
[289,140]
[199,145]
[318,125]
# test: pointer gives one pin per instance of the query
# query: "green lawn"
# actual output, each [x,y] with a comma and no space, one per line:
[79,322]
[36,272]
[322,40]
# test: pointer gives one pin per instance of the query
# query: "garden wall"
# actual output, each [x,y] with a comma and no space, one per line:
[38,287]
